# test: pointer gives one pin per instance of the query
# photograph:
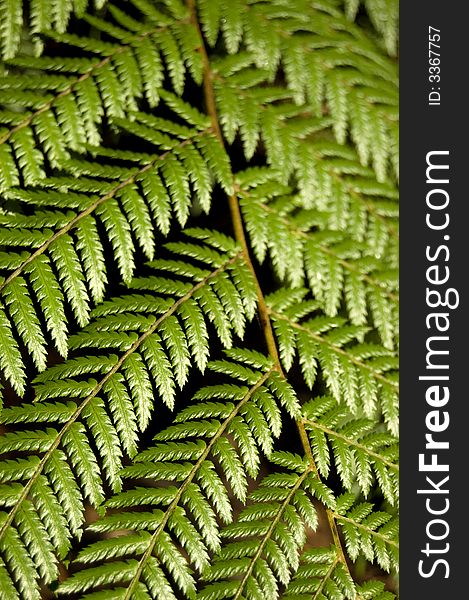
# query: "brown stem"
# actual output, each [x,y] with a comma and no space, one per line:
[241,238]
[330,515]
[235,210]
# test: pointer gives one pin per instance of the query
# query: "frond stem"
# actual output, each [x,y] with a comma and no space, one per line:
[235,210]
[264,315]
[330,515]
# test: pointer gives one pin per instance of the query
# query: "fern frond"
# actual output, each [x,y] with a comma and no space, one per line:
[127,131]
[360,452]
[179,527]
[361,374]
[112,405]
[337,268]
[65,110]
[321,574]
[262,548]
[131,65]
[262,552]
[369,532]
[383,14]
[358,93]
[66,255]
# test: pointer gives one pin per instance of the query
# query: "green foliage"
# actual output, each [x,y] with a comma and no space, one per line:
[363,375]
[184,494]
[62,256]
[198,245]
[359,453]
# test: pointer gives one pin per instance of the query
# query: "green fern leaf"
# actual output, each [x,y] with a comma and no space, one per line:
[201,489]
[123,131]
